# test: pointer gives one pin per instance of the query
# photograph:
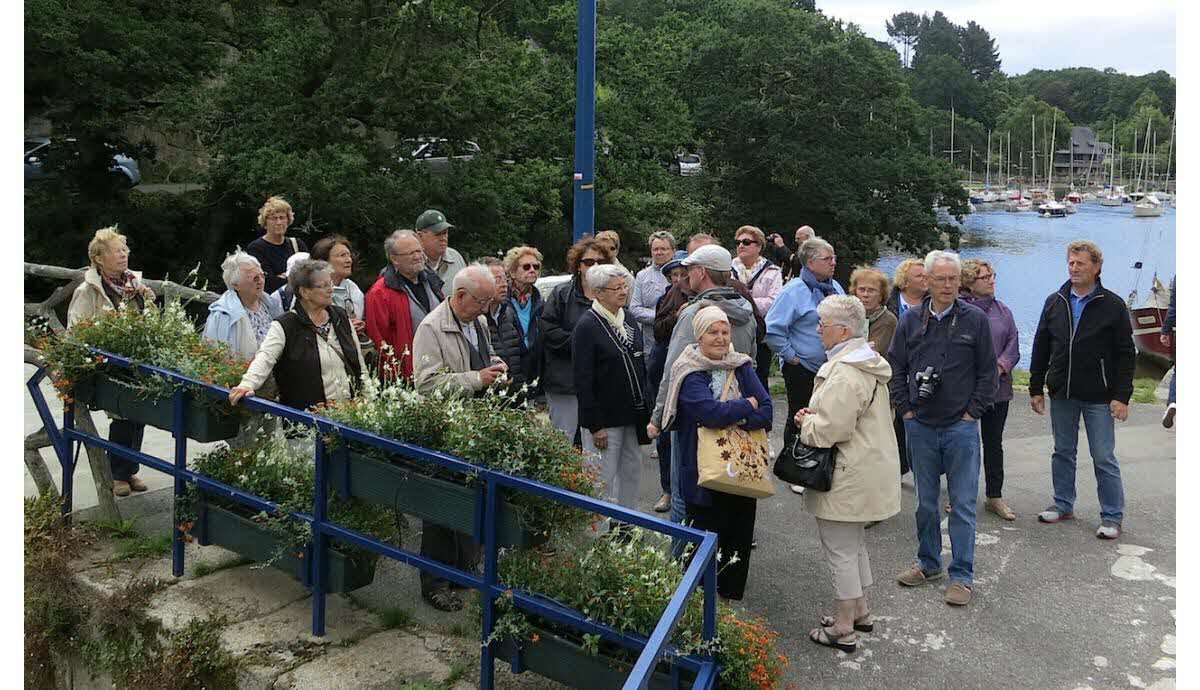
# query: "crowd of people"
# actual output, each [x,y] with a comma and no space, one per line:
[912,373]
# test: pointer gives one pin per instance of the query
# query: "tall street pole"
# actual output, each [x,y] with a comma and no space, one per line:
[584,177]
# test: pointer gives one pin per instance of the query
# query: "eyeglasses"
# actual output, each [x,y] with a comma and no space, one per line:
[480,302]
[943,280]
[989,276]
[620,288]
[746,242]
[821,325]
[832,258]
[322,286]
[592,262]
[531,267]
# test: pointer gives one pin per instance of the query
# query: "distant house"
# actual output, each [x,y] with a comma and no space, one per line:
[1086,149]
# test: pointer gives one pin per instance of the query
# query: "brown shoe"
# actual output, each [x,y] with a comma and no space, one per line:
[914,576]
[120,488]
[137,484]
[664,504]
[958,594]
[999,507]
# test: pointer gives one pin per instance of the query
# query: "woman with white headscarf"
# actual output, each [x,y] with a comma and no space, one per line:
[698,378]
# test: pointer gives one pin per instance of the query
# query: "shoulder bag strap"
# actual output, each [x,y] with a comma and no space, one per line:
[295,247]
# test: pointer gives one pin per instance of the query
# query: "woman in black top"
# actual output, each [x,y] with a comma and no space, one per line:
[273,248]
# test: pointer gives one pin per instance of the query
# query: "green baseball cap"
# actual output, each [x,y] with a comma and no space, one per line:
[433,221]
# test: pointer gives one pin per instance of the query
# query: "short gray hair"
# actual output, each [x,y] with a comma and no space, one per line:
[231,267]
[471,277]
[937,255]
[661,235]
[810,249]
[304,273]
[844,310]
[390,243]
[600,275]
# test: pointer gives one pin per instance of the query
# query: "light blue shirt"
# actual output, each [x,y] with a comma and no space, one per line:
[1078,303]
[939,314]
[792,325]
[523,314]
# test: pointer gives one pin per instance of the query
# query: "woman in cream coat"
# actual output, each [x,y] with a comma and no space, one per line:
[849,409]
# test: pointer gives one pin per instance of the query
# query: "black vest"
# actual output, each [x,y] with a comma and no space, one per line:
[298,371]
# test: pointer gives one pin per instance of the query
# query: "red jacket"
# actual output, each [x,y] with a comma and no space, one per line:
[389,321]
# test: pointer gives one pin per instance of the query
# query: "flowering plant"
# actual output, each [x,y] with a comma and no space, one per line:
[622,581]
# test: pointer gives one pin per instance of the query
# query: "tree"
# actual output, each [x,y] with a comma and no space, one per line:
[905,28]
[941,82]
[939,36]
[979,53]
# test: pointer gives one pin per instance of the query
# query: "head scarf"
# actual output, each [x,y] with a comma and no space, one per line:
[691,359]
[705,318]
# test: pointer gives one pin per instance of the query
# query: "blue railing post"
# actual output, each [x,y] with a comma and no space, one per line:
[67,461]
[179,429]
[486,665]
[584,181]
[320,497]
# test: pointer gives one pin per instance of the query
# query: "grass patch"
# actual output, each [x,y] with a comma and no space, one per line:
[143,547]
[1143,388]
[396,618]
[458,670]
[121,529]
[203,568]
[776,386]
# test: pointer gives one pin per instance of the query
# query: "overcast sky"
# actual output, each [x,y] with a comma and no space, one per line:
[1132,37]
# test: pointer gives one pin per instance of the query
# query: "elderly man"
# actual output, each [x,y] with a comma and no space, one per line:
[649,285]
[788,261]
[452,351]
[403,295]
[1083,353]
[910,287]
[434,231]
[792,327]
[944,379]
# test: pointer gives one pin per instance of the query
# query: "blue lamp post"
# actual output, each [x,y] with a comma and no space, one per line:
[584,179]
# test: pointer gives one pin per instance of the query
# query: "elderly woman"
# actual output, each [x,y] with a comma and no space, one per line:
[335,249]
[698,378]
[610,383]
[243,315]
[871,287]
[979,289]
[849,410]
[566,304]
[274,247]
[311,349]
[108,284]
[517,328]
[764,280]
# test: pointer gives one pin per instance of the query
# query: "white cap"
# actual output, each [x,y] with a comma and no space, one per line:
[295,259]
[711,256]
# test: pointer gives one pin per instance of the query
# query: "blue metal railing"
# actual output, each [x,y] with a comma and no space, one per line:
[702,569]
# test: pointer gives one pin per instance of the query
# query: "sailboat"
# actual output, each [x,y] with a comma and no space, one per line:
[1112,198]
[1149,206]
[1147,318]
[1049,208]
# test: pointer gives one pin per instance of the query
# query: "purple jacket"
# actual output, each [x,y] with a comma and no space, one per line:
[1004,339]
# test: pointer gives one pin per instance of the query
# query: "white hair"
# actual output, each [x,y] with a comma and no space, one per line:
[844,310]
[389,245]
[231,267]
[938,255]
[811,247]
[600,275]
[472,277]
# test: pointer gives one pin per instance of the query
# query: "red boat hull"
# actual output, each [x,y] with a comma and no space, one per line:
[1147,326]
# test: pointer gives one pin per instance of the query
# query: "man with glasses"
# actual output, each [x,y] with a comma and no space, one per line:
[453,352]
[405,293]
[944,379]
[792,327]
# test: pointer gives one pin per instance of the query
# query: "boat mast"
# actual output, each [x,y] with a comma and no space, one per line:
[971,165]
[987,174]
[1112,161]
[1050,158]
[1170,150]
[1033,151]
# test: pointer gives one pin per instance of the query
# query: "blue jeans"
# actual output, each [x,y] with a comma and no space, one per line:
[1102,440]
[954,451]
[678,507]
[1171,390]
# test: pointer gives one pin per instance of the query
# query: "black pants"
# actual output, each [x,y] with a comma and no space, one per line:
[732,518]
[663,444]
[991,428]
[449,547]
[799,382]
[762,364]
[129,434]
[901,441]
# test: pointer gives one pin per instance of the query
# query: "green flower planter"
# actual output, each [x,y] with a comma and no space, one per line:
[437,500]
[216,525]
[568,663]
[202,423]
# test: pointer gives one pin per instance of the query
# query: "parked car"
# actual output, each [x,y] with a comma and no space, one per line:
[39,150]
[690,164]
[436,152]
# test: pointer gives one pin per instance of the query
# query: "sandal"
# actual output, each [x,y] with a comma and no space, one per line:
[863,624]
[823,637]
[444,600]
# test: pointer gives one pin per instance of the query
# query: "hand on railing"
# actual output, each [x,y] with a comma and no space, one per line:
[238,392]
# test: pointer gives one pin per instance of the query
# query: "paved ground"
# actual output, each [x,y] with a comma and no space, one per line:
[1054,606]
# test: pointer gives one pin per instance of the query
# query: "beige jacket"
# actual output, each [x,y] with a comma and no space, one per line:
[440,353]
[866,476]
[89,299]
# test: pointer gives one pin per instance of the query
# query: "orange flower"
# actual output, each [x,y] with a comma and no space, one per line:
[535,638]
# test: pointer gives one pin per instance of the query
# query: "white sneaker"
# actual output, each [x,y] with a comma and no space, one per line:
[1168,419]
[797,489]
[653,452]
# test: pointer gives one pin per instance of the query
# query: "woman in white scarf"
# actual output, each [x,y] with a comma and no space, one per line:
[698,378]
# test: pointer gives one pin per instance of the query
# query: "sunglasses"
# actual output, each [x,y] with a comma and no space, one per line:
[592,262]
[534,267]
[746,242]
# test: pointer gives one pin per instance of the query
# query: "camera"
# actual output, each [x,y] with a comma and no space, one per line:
[927,384]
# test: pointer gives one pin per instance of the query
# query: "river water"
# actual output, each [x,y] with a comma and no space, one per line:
[1029,255]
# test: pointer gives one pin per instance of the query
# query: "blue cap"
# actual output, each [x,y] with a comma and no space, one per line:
[675,262]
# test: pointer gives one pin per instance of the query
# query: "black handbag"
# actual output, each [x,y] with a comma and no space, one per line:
[807,466]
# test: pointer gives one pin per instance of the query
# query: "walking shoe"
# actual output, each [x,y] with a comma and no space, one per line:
[653,452]
[664,504]
[1053,514]
[914,576]
[137,484]
[1108,530]
[1168,419]
[120,488]
[958,594]
[797,489]
[999,507]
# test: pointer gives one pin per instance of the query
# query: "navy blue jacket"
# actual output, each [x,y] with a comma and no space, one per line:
[967,364]
[698,407]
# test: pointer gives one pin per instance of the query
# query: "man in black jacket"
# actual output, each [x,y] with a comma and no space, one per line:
[952,340]
[1083,354]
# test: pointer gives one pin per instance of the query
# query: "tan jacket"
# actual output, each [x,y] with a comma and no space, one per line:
[440,353]
[866,476]
[89,299]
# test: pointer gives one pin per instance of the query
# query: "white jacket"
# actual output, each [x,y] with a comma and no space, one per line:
[89,299]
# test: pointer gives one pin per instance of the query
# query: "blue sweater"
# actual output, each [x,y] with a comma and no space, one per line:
[698,407]
[792,325]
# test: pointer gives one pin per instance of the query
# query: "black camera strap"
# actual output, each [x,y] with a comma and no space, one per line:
[949,332]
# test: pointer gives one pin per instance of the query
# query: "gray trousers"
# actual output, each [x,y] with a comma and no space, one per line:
[564,413]
[619,466]
[845,547]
